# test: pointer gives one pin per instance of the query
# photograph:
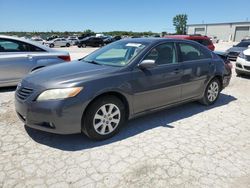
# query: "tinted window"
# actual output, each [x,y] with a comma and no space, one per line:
[191,52]
[243,44]
[163,54]
[7,45]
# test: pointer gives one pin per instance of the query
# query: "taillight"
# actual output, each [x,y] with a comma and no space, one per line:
[228,64]
[65,57]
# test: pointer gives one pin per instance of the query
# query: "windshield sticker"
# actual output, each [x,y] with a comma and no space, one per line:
[133,45]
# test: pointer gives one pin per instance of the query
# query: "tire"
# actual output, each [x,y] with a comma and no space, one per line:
[51,45]
[83,45]
[212,92]
[79,45]
[238,72]
[67,45]
[100,45]
[98,122]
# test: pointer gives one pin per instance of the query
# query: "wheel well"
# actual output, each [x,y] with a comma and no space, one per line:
[115,94]
[220,79]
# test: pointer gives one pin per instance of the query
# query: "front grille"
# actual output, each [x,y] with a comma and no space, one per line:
[233,54]
[247,67]
[23,93]
[248,57]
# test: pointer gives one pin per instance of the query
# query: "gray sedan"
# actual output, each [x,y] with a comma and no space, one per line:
[120,81]
[19,57]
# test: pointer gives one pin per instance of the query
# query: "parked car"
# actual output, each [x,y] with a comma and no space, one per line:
[246,38]
[224,57]
[204,40]
[90,41]
[243,63]
[73,40]
[58,42]
[120,81]
[19,57]
[108,40]
[39,40]
[234,51]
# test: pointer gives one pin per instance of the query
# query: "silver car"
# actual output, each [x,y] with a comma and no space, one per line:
[19,57]
[58,42]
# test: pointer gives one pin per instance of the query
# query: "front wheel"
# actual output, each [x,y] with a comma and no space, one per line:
[104,118]
[67,45]
[212,92]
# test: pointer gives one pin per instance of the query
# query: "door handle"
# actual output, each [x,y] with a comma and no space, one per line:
[30,57]
[177,71]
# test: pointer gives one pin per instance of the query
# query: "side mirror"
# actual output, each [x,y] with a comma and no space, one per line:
[146,64]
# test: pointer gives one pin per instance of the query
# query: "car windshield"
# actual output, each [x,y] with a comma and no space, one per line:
[116,54]
[243,44]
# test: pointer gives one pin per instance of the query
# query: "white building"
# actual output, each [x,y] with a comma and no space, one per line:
[234,31]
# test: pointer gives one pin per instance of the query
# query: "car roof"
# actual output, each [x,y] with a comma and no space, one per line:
[155,40]
[187,36]
[29,42]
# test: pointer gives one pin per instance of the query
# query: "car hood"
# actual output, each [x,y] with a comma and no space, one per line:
[247,52]
[68,74]
[236,49]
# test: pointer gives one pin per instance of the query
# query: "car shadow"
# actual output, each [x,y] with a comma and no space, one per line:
[7,89]
[244,76]
[134,127]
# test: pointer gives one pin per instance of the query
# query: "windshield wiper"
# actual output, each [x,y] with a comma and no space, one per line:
[92,62]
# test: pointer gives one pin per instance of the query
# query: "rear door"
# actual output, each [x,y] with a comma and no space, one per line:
[16,60]
[197,66]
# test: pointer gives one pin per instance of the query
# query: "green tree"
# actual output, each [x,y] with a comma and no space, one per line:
[88,32]
[180,23]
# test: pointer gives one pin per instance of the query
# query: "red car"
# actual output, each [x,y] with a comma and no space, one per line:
[204,40]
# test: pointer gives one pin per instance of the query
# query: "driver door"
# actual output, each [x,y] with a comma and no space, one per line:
[161,85]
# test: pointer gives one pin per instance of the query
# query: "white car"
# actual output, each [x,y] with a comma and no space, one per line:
[58,42]
[243,62]
[73,40]
[39,40]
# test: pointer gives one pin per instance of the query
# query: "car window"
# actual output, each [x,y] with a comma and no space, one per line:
[191,52]
[163,54]
[116,54]
[7,45]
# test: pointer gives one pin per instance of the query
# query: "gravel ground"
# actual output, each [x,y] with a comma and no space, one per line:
[186,146]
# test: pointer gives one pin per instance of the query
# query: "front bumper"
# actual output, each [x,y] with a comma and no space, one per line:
[58,116]
[242,66]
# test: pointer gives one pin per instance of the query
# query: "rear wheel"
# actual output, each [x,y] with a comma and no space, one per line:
[104,118]
[67,45]
[212,92]
[51,45]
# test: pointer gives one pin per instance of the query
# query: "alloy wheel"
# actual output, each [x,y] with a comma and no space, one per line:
[213,91]
[106,119]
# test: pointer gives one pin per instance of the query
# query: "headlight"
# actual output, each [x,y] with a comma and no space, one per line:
[241,55]
[59,93]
